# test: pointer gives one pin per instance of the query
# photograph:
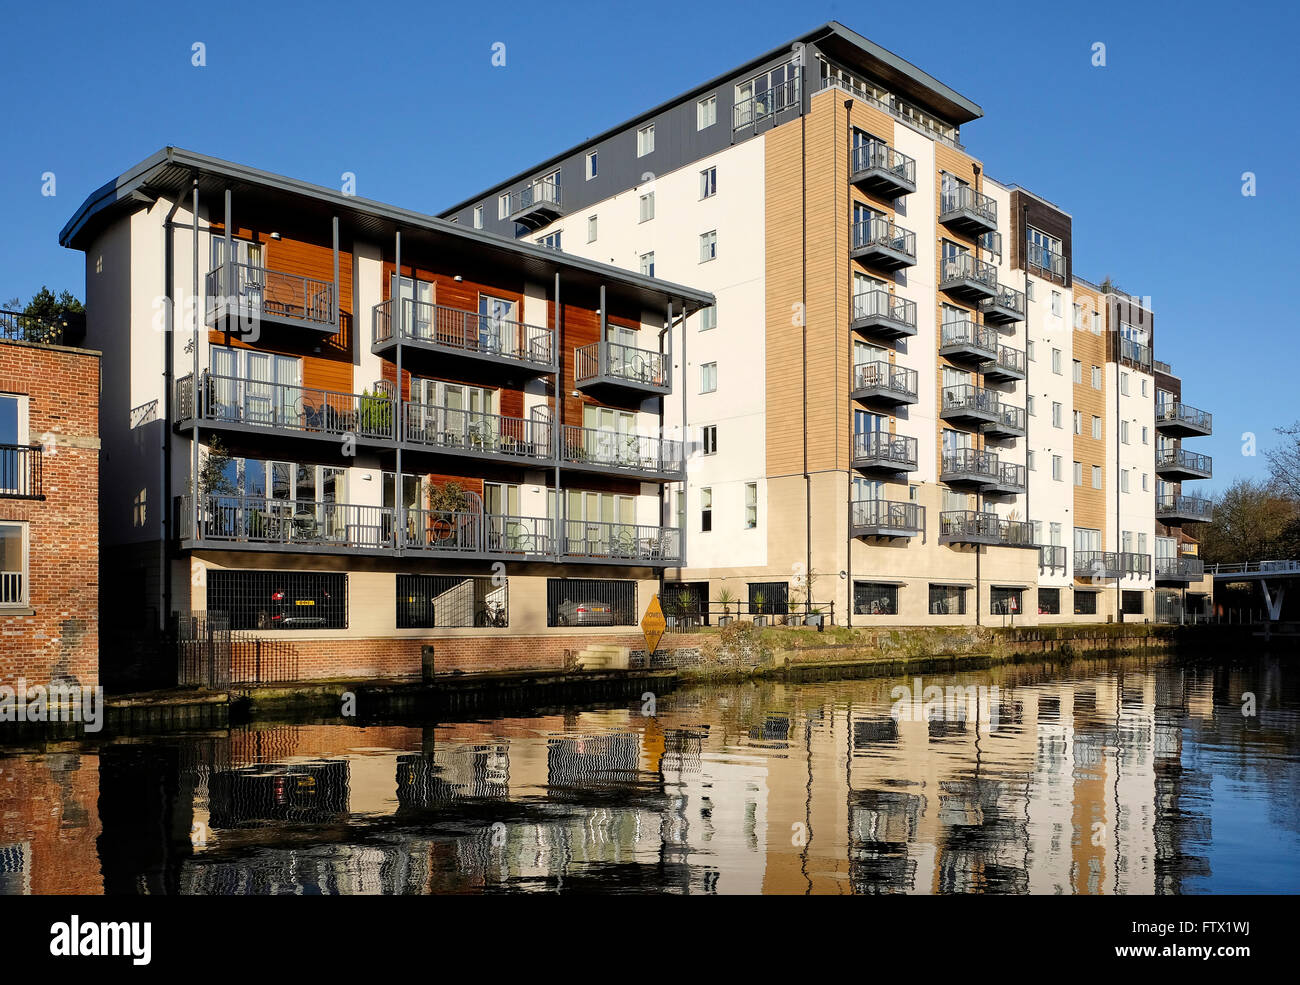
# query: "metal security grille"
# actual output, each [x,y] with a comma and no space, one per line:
[1004,601]
[1085,603]
[590,602]
[947,600]
[280,599]
[769,598]
[872,599]
[444,601]
[1049,601]
[1131,603]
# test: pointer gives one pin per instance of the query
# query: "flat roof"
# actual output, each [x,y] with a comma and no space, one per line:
[173,170]
[852,48]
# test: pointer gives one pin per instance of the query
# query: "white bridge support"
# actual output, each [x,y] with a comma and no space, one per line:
[1271,602]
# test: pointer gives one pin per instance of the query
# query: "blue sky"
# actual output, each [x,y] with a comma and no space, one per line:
[1146,153]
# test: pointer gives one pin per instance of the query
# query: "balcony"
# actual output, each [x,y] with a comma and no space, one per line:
[880,244]
[970,405]
[536,205]
[1135,565]
[1179,420]
[885,518]
[620,543]
[235,404]
[259,523]
[1179,570]
[1135,354]
[1009,365]
[966,340]
[612,365]
[1175,510]
[965,276]
[1048,264]
[1012,479]
[1051,557]
[1010,423]
[970,527]
[1102,565]
[21,472]
[437,334]
[248,295]
[1178,464]
[884,315]
[473,434]
[1004,307]
[970,466]
[884,383]
[615,453]
[881,451]
[964,209]
[18,327]
[878,168]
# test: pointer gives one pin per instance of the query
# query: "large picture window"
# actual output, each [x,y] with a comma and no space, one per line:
[280,599]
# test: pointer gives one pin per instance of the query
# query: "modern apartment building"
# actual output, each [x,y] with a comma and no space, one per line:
[49,476]
[375,434]
[902,388]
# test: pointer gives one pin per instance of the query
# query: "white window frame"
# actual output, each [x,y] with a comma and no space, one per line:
[709,377]
[646,207]
[645,140]
[708,182]
[709,246]
[709,439]
[478,217]
[591,228]
[648,264]
[709,318]
[592,165]
[706,112]
[751,505]
[24,577]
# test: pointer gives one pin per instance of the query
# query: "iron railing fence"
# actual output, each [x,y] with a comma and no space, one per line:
[22,472]
[967,398]
[1037,255]
[18,327]
[203,642]
[279,599]
[1008,298]
[619,541]
[463,331]
[1051,557]
[1012,360]
[971,462]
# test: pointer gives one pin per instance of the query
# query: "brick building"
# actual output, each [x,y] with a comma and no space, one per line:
[49,488]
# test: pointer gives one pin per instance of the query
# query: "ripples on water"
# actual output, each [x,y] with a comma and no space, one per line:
[1121,776]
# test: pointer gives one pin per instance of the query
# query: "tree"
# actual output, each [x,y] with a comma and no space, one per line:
[1253,520]
[1284,460]
[46,306]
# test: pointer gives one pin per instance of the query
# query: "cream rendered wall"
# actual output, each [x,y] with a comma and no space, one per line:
[1136,507]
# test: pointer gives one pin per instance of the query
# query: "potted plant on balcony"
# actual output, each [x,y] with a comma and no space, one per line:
[375,415]
[725,598]
[445,501]
[757,602]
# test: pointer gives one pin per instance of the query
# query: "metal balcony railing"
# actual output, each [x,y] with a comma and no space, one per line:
[964,267]
[970,464]
[970,526]
[968,337]
[540,194]
[1180,568]
[883,448]
[884,234]
[452,429]
[885,377]
[1009,360]
[613,361]
[874,517]
[1135,565]
[1051,557]
[1184,507]
[1098,564]
[1012,477]
[251,291]
[284,407]
[1011,420]
[1178,413]
[964,199]
[875,155]
[881,306]
[1007,305]
[259,520]
[1182,459]
[1135,352]
[21,472]
[620,541]
[17,327]
[617,450]
[765,104]
[468,332]
[1041,258]
[973,400]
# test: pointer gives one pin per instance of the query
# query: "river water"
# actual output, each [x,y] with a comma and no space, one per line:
[1103,776]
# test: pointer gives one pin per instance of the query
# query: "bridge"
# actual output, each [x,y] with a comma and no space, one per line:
[1278,573]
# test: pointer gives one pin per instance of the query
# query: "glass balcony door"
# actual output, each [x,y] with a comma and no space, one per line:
[416,306]
[256,387]
[496,324]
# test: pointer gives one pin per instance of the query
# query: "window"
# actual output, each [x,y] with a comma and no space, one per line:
[708,246]
[1123,480]
[591,165]
[551,240]
[1056,302]
[280,599]
[437,601]
[1145,487]
[708,318]
[478,217]
[591,229]
[1144,386]
[1056,468]
[708,182]
[591,602]
[770,598]
[1049,601]
[1096,477]
[1132,603]
[947,600]
[1146,436]
[875,599]
[13,564]
[765,94]
[1029,404]
[706,509]
[1096,426]
[708,377]
[1123,432]
[1029,350]
[1029,463]
[1123,383]
[648,263]
[751,505]
[1056,414]
[645,140]
[647,206]
[706,112]
[709,439]
[1078,473]
[503,206]
[1004,601]
[1056,361]
[1078,371]
[1078,422]
[1076,317]
[1096,377]
[1085,603]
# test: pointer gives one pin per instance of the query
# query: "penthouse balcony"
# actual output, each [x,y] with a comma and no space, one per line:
[970,466]
[880,244]
[1004,307]
[449,340]
[1009,365]
[970,405]
[965,276]
[18,327]
[1012,479]
[535,205]
[1051,558]
[21,472]
[615,453]
[1102,565]
[1179,570]
[880,451]
[884,383]
[1179,420]
[438,430]
[249,523]
[248,295]
[968,341]
[877,168]
[1010,422]
[1043,260]
[614,366]
[235,404]
[971,527]
[885,518]
[1135,354]
[1175,510]
[964,209]
[1178,464]
[883,315]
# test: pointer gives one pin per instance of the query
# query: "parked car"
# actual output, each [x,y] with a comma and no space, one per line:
[585,614]
[300,609]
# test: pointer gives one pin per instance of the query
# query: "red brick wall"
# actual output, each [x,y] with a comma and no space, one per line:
[59,638]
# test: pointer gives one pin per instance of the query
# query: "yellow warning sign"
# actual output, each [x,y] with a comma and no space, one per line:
[652,624]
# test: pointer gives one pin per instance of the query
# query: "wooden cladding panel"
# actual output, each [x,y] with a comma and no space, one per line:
[1090,350]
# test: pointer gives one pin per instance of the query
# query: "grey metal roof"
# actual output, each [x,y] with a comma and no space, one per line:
[173,170]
